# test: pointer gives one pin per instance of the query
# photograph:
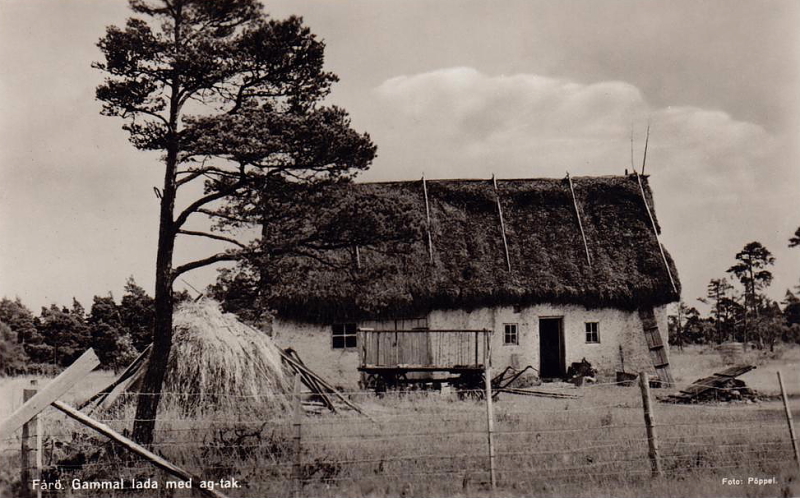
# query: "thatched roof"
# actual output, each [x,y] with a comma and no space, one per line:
[469,270]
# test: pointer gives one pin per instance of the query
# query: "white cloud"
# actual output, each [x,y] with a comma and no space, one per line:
[719,182]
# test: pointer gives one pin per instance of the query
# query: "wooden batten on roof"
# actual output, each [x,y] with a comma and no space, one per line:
[427,219]
[655,228]
[471,269]
[502,223]
[578,216]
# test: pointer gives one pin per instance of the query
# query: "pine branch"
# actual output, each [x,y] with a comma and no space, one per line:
[212,236]
[217,258]
[193,207]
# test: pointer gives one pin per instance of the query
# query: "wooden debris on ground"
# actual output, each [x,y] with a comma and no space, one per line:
[721,386]
[316,384]
[504,382]
[536,392]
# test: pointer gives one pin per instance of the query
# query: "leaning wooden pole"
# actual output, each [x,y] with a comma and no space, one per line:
[427,218]
[789,420]
[502,222]
[655,232]
[134,447]
[580,223]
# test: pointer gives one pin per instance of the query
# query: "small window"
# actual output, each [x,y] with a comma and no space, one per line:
[344,335]
[510,336]
[592,334]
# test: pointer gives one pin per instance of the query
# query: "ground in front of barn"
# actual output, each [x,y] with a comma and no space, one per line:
[430,444]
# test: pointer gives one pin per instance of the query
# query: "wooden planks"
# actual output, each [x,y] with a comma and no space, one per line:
[422,348]
[51,392]
[658,354]
[709,387]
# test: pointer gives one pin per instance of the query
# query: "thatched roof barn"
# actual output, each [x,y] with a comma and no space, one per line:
[469,268]
[585,244]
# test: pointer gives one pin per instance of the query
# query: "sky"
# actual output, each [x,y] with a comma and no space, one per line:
[445,88]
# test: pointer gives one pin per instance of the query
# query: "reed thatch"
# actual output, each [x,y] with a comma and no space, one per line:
[469,270]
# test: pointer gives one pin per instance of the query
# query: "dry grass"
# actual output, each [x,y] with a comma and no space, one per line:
[433,445]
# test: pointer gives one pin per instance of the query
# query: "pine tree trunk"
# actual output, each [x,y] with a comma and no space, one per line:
[150,394]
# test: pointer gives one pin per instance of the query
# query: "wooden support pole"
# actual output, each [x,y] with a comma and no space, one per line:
[789,421]
[125,375]
[652,441]
[655,232]
[427,218]
[134,447]
[580,223]
[31,450]
[502,222]
[490,423]
[297,468]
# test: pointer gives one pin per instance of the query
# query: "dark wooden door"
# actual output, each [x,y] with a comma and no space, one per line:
[551,348]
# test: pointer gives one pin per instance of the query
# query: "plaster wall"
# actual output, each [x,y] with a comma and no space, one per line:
[620,336]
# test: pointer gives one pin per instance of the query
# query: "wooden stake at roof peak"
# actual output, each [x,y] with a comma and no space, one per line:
[646,141]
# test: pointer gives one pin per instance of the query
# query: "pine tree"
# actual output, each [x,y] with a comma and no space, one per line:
[232,99]
[751,270]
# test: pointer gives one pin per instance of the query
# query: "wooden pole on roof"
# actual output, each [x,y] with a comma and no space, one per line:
[427,218]
[646,140]
[633,168]
[580,224]
[655,232]
[502,223]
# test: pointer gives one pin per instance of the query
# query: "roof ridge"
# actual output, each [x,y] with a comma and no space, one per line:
[489,179]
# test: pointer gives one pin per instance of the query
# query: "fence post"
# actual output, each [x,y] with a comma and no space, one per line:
[298,426]
[490,421]
[652,441]
[789,421]
[31,450]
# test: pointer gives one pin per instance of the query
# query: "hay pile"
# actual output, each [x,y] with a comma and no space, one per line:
[216,364]
[218,360]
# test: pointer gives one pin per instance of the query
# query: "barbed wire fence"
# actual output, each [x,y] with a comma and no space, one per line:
[415,441]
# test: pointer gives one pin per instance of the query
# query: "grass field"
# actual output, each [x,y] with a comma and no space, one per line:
[433,445]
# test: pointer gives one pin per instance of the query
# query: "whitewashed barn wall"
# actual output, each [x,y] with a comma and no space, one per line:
[616,327]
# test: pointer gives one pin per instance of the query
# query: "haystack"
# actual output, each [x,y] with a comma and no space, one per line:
[216,364]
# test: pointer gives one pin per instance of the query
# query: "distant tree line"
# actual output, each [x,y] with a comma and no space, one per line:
[117,332]
[742,312]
